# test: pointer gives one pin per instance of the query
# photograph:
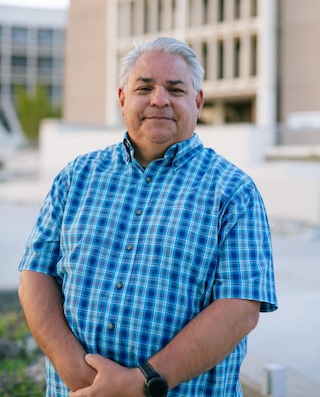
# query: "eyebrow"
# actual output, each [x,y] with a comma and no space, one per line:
[169,82]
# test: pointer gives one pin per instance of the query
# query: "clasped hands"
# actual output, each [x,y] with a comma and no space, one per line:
[112,380]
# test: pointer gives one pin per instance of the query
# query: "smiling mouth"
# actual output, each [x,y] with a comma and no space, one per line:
[159,118]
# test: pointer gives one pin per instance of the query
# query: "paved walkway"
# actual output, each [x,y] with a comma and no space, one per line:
[290,336]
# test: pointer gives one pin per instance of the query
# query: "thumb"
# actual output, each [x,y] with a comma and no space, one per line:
[94,360]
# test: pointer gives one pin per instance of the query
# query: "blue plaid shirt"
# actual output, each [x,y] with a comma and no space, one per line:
[140,252]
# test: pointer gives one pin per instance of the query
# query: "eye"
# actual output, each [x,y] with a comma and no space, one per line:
[176,89]
[144,89]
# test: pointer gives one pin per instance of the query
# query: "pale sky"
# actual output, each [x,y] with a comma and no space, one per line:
[37,3]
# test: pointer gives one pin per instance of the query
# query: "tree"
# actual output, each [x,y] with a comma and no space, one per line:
[32,108]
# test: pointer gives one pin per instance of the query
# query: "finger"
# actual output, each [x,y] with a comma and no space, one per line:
[80,393]
[95,361]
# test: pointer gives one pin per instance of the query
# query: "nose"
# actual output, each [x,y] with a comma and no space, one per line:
[160,97]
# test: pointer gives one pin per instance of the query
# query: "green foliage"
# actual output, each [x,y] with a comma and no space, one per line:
[15,382]
[13,326]
[32,108]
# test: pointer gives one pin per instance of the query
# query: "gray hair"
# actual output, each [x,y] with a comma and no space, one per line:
[167,45]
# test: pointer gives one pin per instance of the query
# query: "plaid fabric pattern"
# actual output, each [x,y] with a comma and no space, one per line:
[140,252]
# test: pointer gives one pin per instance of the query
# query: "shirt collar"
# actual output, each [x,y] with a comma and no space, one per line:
[175,156]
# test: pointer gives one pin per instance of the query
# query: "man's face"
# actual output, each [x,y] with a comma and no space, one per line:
[159,104]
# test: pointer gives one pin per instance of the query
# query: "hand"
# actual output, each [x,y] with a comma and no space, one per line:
[112,380]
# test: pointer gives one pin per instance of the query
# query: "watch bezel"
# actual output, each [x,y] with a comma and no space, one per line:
[150,383]
[151,377]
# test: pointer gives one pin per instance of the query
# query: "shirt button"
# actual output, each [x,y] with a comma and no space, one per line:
[176,164]
[129,247]
[111,326]
[139,212]
[148,179]
[119,285]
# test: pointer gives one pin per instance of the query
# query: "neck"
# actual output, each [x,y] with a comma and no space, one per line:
[146,158]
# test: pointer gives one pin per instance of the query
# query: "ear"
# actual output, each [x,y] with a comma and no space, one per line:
[199,102]
[121,97]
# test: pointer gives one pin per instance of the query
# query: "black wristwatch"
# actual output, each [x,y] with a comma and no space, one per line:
[155,384]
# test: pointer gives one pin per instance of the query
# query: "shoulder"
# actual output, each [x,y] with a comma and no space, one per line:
[223,172]
[90,162]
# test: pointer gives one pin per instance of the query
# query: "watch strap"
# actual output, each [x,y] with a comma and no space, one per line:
[148,371]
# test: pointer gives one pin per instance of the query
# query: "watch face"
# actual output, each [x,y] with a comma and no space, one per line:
[157,387]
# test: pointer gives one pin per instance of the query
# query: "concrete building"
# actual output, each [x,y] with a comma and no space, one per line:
[261,87]
[260,59]
[236,41]
[31,54]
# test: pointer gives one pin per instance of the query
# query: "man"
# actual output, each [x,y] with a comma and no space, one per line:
[154,252]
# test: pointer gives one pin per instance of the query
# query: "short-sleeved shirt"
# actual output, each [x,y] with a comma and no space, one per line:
[140,252]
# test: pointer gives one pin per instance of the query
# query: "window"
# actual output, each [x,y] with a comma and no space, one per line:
[220,60]
[45,37]
[221,11]
[254,8]
[237,57]
[146,16]
[204,53]
[159,16]
[19,61]
[19,65]
[19,36]
[205,8]
[254,56]
[237,9]
[238,112]
[45,65]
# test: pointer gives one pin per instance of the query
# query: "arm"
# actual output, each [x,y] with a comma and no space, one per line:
[41,300]
[197,348]
[206,340]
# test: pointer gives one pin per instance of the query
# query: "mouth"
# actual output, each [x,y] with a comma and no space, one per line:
[158,118]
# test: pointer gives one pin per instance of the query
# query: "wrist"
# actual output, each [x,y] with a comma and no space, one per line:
[76,374]
[155,384]
[135,383]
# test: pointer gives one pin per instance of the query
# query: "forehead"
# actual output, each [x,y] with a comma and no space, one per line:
[161,66]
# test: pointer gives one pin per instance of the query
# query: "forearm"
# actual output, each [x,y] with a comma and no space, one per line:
[206,340]
[41,299]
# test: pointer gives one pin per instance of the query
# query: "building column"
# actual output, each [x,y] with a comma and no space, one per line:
[228,57]
[166,18]
[112,112]
[211,72]
[245,60]
[267,69]
[181,15]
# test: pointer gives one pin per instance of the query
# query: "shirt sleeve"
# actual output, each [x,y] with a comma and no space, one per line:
[245,268]
[42,251]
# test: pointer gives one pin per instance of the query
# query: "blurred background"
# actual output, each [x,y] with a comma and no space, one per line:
[59,63]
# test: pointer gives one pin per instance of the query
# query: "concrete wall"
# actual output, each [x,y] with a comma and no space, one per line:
[86,64]
[299,58]
[291,191]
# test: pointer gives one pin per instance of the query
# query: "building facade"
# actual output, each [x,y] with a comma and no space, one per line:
[260,59]
[31,55]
